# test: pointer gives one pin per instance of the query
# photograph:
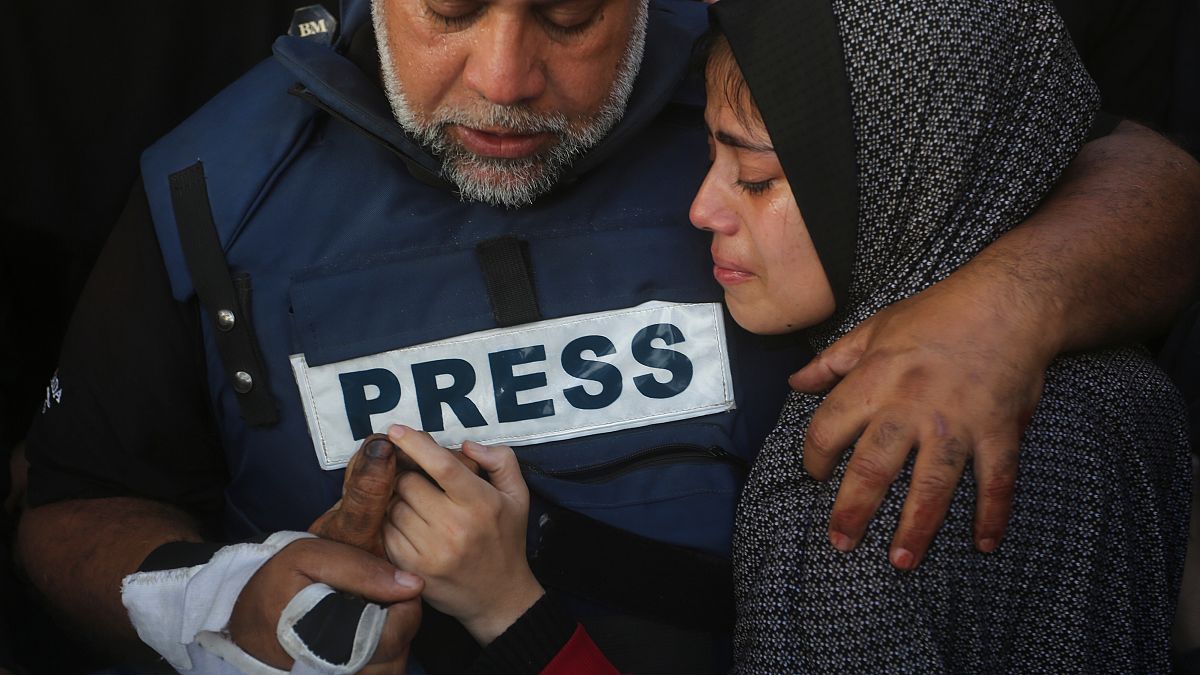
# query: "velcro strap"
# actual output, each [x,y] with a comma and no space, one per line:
[225,300]
[509,278]
[330,632]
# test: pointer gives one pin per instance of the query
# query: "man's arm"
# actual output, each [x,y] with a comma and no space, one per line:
[123,455]
[1114,254]
[956,371]
[126,458]
[79,552]
[76,552]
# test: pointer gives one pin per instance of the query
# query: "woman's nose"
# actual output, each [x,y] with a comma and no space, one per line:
[710,210]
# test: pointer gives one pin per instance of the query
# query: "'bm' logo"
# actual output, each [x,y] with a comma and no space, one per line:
[312,28]
[314,23]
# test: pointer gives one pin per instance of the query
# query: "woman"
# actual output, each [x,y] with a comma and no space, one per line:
[862,152]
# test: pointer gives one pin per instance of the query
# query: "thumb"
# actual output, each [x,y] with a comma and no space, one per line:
[830,366]
[366,493]
[357,572]
[501,464]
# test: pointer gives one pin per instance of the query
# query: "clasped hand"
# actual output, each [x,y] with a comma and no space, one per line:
[458,537]
[462,533]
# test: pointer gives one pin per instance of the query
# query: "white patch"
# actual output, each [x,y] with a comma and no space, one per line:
[544,381]
[53,393]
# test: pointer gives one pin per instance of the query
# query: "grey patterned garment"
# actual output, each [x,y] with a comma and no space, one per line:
[964,115]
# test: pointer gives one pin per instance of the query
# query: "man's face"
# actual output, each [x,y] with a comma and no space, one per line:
[508,92]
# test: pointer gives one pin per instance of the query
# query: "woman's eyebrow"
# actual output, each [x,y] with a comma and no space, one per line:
[726,138]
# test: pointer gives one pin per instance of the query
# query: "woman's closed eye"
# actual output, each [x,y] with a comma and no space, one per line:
[755,187]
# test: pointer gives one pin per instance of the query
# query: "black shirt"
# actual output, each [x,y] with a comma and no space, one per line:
[87,86]
[1128,47]
[128,413]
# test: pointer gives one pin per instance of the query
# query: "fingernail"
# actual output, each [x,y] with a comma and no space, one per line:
[397,431]
[406,580]
[902,558]
[476,447]
[841,542]
[379,449]
[986,545]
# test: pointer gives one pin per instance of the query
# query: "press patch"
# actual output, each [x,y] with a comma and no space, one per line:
[544,381]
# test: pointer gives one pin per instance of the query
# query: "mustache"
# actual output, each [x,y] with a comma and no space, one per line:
[518,119]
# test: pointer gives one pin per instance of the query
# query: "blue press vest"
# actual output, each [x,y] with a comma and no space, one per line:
[350,254]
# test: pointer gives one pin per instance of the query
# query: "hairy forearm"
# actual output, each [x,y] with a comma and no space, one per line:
[77,553]
[1112,254]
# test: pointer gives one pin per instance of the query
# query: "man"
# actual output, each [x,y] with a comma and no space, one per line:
[566,278]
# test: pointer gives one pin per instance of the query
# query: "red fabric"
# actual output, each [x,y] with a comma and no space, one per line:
[580,656]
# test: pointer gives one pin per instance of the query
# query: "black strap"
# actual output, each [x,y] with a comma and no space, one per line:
[330,628]
[225,300]
[179,554]
[509,279]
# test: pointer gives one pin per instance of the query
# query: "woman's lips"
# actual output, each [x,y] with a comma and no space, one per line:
[728,273]
[501,144]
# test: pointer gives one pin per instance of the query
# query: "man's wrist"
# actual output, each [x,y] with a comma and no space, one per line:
[171,606]
[1000,299]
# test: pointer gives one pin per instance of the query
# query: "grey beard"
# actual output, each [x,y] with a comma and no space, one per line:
[499,181]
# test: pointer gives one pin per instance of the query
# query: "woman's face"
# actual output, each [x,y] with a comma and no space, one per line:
[762,255]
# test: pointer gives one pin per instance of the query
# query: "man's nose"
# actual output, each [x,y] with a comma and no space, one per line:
[504,66]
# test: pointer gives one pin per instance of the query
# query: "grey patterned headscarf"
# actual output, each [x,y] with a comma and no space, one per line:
[927,128]
[913,134]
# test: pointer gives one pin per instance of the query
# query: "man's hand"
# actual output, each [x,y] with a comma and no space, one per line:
[464,535]
[939,372]
[956,371]
[346,568]
[357,519]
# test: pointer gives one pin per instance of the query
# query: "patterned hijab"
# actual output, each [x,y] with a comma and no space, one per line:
[913,132]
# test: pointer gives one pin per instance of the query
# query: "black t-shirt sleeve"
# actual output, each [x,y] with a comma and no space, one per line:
[1128,47]
[127,413]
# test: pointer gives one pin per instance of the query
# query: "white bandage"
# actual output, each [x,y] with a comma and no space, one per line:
[183,614]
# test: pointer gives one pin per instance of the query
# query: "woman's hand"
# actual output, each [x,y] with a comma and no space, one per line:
[465,536]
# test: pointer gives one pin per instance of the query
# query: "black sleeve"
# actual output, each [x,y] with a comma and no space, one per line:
[127,413]
[1128,48]
[528,646]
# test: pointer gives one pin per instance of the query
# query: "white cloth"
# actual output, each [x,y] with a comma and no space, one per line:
[183,614]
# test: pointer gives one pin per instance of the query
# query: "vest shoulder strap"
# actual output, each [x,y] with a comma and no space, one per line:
[243,137]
